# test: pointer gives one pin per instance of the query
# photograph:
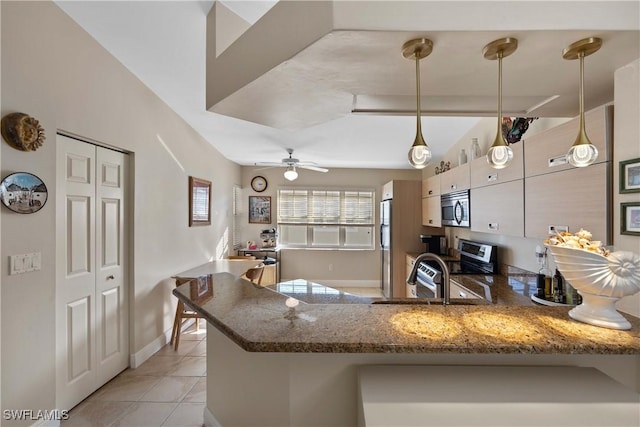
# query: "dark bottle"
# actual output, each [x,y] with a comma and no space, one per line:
[540,284]
[558,288]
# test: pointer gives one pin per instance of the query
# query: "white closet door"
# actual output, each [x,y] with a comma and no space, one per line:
[91,307]
[112,348]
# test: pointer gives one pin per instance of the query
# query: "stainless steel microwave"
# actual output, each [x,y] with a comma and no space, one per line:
[455,209]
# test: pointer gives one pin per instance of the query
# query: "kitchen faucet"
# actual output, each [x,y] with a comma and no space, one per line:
[446,285]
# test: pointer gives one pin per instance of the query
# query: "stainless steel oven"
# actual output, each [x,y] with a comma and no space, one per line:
[455,209]
[475,258]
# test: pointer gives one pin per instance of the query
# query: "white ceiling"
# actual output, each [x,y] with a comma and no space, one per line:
[306,101]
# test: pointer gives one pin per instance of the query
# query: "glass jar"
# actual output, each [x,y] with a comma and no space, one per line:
[462,157]
[475,152]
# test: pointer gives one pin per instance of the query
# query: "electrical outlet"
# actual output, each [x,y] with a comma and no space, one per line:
[553,229]
[330,267]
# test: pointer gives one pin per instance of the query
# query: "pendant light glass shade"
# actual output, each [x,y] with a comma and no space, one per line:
[420,153]
[291,173]
[582,153]
[500,154]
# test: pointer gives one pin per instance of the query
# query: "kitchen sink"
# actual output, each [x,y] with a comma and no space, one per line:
[433,301]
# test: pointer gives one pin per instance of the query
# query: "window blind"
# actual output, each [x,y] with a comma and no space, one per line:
[235,231]
[340,207]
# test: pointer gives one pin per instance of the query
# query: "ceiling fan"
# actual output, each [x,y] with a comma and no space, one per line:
[291,164]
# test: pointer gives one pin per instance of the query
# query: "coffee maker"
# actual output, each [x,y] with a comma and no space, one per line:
[434,244]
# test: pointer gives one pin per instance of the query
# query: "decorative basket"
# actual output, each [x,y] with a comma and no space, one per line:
[601,281]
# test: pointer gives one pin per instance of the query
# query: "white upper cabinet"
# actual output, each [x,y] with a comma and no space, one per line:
[546,151]
[431,186]
[482,174]
[455,179]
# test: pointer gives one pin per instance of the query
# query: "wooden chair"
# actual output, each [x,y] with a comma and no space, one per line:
[182,313]
[255,274]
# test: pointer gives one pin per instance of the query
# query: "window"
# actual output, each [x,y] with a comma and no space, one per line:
[235,233]
[313,218]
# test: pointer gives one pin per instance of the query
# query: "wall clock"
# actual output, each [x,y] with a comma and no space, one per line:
[259,183]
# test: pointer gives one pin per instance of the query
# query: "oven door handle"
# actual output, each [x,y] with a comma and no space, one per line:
[455,212]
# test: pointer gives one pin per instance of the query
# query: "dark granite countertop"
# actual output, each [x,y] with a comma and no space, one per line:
[257,319]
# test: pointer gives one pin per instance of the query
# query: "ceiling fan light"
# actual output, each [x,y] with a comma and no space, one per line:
[291,173]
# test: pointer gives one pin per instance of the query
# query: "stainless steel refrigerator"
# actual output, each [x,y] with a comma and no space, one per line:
[385,247]
[400,230]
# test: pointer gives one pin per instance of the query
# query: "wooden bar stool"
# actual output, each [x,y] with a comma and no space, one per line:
[182,313]
[255,274]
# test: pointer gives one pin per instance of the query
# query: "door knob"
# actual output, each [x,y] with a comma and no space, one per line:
[110,277]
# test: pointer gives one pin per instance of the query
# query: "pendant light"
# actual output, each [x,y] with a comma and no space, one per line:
[582,153]
[500,154]
[420,153]
[291,173]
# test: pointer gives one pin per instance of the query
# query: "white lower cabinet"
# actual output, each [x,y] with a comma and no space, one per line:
[498,209]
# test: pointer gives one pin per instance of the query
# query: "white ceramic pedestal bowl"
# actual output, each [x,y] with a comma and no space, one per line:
[601,281]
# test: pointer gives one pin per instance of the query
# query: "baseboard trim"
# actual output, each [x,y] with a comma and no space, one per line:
[137,359]
[209,419]
[349,283]
[46,423]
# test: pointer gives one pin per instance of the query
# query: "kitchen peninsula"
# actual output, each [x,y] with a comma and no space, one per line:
[268,364]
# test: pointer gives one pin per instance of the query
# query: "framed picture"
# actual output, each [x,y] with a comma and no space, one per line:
[23,192]
[630,218]
[630,176]
[199,202]
[259,209]
[201,288]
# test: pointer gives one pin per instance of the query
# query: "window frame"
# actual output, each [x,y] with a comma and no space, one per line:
[343,222]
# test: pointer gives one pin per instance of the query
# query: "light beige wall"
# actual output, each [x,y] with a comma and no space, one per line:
[627,146]
[347,266]
[54,71]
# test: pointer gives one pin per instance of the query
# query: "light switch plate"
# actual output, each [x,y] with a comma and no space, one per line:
[36,261]
[16,264]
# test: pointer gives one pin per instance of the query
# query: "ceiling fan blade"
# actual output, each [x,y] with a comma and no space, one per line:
[271,164]
[313,168]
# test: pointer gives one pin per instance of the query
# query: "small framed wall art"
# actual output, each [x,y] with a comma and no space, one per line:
[199,202]
[201,288]
[23,192]
[630,218]
[260,209]
[630,176]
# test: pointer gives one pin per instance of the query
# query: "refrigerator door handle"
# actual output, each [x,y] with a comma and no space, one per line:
[381,243]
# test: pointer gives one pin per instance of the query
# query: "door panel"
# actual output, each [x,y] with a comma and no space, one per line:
[79,333]
[111,324]
[110,239]
[79,238]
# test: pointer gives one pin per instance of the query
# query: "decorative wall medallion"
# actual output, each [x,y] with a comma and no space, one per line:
[22,131]
[23,192]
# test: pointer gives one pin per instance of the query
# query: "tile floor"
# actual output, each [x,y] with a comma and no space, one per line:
[166,390]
